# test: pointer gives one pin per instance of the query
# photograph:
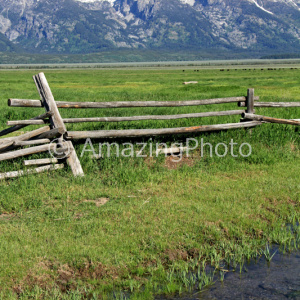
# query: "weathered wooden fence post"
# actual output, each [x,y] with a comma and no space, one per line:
[249,104]
[56,121]
[250,101]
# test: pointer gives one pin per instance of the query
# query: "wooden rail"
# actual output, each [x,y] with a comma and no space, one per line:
[42,161]
[27,151]
[133,118]
[272,104]
[15,174]
[12,142]
[99,134]
[124,104]
[32,142]
[18,127]
[269,119]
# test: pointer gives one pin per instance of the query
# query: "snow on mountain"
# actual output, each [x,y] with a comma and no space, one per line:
[91,1]
[261,7]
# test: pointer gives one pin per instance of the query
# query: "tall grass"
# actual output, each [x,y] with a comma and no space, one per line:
[163,224]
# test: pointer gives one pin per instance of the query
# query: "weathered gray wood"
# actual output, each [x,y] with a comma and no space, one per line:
[269,119]
[155,117]
[6,144]
[136,118]
[15,174]
[9,144]
[48,101]
[24,103]
[27,122]
[57,121]
[53,133]
[27,136]
[73,160]
[32,142]
[117,104]
[277,104]
[272,104]
[36,81]
[153,132]
[17,127]
[42,161]
[27,151]
[173,150]
[250,101]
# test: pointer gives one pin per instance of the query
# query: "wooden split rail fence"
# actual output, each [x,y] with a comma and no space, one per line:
[54,136]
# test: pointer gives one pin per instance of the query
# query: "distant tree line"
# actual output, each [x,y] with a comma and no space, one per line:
[281,56]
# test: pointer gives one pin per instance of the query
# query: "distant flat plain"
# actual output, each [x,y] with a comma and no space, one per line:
[204,64]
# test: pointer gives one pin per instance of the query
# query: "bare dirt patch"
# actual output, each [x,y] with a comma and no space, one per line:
[174,162]
[98,202]
[176,254]
[172,255]
[48,275]
[6,216]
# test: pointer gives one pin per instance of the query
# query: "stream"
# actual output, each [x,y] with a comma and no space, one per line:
[277,279]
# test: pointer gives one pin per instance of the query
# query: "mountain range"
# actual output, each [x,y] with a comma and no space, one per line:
[86,26]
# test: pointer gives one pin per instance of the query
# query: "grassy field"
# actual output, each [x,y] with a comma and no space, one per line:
[139,227]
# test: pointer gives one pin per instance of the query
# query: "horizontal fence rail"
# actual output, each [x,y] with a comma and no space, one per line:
[133,118]
[272,104]
[77,135]
[28,151]
[11,141]
[18,127]
[269,119]
[15,174]
[124,104]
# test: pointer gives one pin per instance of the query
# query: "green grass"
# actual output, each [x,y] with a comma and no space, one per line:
[162,224]
[128,55]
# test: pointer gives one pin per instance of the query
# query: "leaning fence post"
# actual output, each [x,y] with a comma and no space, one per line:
[57,121]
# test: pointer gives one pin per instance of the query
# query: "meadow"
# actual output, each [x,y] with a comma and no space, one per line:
[139,227]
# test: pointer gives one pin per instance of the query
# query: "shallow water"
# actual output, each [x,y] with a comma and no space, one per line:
[279,279]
